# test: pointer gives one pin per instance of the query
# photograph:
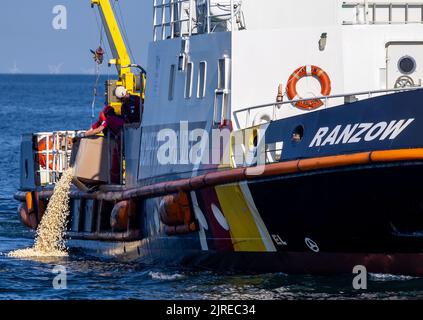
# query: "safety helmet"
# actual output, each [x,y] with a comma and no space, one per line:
[120,92]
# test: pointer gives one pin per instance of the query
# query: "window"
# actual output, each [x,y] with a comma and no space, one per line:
[407,65]
[171,82]
[298,134]
[202,76]
[221,99]
[188,80]
[221,82]
[223,76]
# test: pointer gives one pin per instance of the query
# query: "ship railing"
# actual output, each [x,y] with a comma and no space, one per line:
[54,154]
[171,17]
[178,18]
[274,109]
[53,151]
[369,12]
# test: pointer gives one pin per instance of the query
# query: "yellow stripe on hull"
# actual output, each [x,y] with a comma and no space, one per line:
[242,226]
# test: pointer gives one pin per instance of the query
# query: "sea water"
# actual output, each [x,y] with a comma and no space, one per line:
[50,235]
[46,103]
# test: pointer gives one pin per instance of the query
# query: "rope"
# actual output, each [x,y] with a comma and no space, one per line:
[95,91]
[97,69]
[100,27]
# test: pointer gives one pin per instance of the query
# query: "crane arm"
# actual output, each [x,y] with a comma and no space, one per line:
[121,59]
[117,45]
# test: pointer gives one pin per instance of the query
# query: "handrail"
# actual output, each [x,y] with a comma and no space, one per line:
[369,14]
[167,4]
[324,98]
[169,13]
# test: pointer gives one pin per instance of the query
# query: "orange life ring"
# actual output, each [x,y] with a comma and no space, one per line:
[308,71]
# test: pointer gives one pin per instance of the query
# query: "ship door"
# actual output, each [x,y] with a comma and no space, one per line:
[404,64]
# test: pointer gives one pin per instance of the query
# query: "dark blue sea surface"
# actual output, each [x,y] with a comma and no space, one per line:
[44,103]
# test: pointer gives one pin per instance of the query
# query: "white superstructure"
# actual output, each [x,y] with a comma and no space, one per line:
[211,60]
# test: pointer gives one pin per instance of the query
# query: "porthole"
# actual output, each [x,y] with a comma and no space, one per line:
[298,134]
[407,65]
[254,139]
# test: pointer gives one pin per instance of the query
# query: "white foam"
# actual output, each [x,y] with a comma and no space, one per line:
[50,241]
[389,277]
[167,277]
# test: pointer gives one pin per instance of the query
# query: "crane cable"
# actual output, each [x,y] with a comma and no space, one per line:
[97,70]
[121,22]
[100,27]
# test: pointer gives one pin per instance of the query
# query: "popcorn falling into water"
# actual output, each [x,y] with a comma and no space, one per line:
[49,241]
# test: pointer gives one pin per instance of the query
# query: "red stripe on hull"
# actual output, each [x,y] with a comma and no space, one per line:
[220,237]
[310,263]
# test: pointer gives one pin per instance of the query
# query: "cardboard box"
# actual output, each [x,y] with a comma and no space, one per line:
[92,163]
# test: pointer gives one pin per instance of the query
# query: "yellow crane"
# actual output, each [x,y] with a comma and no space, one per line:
[134,83]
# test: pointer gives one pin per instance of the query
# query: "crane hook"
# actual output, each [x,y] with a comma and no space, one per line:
[98,55]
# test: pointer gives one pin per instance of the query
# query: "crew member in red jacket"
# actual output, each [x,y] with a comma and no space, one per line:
[112,124]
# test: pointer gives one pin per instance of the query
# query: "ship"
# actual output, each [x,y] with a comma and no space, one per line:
[275,136]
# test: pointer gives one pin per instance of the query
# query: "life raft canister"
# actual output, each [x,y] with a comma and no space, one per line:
[42,146]
[42,157]
[308,71]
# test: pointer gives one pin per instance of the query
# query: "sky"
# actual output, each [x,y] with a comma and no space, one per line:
[30,43]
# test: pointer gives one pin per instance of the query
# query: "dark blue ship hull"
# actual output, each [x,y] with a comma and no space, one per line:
[328,219]
[345,192]
[402,110]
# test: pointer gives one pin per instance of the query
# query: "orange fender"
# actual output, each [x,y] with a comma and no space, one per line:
[119,218]
[175,210]
[27,218]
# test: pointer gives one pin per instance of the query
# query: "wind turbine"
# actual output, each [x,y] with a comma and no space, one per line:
[55,69]
[14,69]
